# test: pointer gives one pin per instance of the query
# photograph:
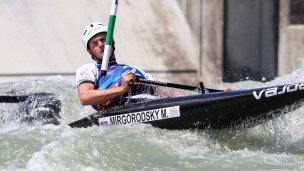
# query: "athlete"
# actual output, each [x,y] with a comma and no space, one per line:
[104,92]
[110,90]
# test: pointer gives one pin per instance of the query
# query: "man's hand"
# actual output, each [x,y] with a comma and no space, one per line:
[225,89]
[126,77]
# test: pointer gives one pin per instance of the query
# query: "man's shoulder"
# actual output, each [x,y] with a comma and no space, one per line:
[85,70]
[145,74]
[86,73]
[136,67]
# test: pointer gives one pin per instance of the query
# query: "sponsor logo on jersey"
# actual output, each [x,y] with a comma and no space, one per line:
[142,116]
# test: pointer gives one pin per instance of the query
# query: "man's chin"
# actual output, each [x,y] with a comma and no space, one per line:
[100,56]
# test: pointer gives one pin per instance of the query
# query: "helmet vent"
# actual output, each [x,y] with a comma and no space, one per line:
[92,30]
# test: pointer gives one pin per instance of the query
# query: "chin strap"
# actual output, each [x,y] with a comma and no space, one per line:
[95,59]
[100,61]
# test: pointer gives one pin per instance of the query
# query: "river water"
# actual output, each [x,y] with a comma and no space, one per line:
[275,145]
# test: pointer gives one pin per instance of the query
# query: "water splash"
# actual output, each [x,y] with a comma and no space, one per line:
[276,144]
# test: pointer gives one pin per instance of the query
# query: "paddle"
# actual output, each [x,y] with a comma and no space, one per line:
[22,98]
[12,99]
[172,85]
[107,50]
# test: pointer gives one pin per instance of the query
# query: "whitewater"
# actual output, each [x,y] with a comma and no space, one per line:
[275,145]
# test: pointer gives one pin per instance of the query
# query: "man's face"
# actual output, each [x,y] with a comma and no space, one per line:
[97,45]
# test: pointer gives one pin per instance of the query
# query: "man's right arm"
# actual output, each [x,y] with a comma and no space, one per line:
[88,95]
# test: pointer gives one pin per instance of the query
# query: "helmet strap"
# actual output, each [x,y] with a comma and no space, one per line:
[95,59]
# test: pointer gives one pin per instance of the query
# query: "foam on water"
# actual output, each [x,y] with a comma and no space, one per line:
[277,144]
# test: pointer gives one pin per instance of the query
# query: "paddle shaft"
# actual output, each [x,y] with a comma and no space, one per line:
[12,99]
[107,50]
[172,85]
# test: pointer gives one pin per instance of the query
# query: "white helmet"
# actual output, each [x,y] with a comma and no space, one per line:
[91,30]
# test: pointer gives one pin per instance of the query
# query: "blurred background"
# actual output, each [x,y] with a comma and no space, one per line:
[181,41]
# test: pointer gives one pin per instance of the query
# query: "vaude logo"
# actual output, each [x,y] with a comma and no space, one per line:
[274,91]
[97,28]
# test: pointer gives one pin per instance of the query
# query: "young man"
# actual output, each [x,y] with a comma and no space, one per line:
[110,90]
[100,91]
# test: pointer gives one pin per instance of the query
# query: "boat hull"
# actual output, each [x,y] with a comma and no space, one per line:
[214,110]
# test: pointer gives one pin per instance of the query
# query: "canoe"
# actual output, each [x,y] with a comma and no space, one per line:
[215,110]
